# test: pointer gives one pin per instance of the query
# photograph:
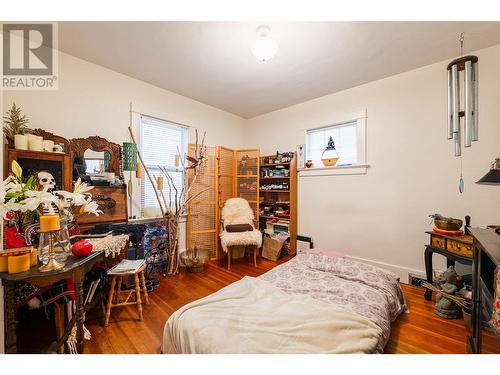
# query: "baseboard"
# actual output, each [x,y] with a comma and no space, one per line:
[400,271]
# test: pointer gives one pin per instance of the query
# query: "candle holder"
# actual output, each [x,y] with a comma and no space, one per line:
[49,226]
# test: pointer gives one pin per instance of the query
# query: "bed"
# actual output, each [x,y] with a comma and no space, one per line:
[311,304]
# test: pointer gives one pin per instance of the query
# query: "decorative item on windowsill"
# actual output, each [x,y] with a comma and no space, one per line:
[23,203]
[174,202]
[330,155]
[463,69]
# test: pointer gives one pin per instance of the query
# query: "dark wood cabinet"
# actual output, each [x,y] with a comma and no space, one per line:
[485,263]
[58,164]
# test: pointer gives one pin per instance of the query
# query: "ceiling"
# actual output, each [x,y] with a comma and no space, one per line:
[211,61]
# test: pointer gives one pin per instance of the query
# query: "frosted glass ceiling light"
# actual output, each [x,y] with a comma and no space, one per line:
[264,47]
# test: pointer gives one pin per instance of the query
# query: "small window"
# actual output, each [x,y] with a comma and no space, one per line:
[344,135]
[161,141]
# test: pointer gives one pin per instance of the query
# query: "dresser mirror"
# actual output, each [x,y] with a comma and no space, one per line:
[96,161]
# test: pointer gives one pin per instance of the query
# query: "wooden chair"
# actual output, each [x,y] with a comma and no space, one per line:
[237,211]
[115,291]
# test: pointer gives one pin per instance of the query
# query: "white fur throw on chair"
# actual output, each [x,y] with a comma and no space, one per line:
[238,211]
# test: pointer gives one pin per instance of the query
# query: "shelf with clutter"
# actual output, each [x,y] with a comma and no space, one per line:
[278,203]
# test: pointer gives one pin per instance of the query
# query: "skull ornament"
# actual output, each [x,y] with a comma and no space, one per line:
[45,180]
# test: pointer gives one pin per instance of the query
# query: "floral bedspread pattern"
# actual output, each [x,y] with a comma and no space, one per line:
[366,290]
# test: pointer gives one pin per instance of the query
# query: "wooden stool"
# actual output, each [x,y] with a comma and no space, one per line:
[115,291]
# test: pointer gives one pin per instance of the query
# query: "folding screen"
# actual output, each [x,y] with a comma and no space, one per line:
[202,219]
[226,180]
[229,173]
[247,177]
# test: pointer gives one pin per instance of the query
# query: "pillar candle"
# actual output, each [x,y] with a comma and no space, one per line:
[35,144]
[138,171]
[48,145]
[18,263]
[20,142]
[177,160]
[49,223]
[159,182]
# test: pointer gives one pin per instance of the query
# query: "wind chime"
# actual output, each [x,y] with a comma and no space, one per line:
[463,104]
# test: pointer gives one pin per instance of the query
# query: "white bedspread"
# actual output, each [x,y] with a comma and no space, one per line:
[253,316]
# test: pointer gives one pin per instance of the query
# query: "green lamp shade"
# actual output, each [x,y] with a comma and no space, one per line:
[129,156]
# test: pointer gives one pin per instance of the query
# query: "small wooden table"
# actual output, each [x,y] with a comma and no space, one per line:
[75,269]
[454,248]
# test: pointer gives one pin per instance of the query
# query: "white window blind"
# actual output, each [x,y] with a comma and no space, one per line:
[345,138]
[161,141]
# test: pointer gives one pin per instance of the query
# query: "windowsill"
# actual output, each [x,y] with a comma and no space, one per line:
[358,169]
[146,220]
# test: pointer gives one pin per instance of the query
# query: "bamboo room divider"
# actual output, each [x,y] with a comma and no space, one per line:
[247,177]
[202,218]
[226,178]
[229,173]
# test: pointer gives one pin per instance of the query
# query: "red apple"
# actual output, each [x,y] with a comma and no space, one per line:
[81,248]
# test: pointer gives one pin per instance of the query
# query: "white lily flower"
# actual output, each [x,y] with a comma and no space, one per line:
[10,185]
[74,199]
[10,205]
[91,208]
[36,198]
[81,187]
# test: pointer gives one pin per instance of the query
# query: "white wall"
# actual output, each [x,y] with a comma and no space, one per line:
[93,100]
[382,215]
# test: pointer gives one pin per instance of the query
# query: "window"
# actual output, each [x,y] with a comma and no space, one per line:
[161,141]
[346,140]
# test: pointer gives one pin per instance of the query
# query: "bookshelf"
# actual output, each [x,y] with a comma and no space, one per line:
[278,195]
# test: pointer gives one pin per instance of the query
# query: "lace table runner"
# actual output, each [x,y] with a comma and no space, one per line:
[111,245]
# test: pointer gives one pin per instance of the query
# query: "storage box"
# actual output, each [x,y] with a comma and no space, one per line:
[271,249]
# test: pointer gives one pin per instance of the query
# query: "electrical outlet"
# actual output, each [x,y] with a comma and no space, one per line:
[415,280]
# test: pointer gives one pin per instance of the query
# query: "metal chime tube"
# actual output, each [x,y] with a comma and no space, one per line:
[468,93]
[450,107]
[475,103]
[455,100]
[456,139]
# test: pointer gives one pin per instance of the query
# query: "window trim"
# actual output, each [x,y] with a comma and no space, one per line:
[360,167]
[185,142]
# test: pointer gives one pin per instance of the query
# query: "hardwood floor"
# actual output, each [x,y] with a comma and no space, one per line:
[421,331]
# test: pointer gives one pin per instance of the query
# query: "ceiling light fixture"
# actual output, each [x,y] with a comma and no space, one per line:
[264,47]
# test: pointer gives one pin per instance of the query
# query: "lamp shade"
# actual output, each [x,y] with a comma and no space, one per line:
[129,156]
[493,176]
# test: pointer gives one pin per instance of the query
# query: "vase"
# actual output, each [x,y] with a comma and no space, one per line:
[62,244]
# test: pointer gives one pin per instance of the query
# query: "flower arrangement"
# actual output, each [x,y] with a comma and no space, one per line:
[23,201]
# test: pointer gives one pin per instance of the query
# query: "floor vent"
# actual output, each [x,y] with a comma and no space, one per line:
[415,280]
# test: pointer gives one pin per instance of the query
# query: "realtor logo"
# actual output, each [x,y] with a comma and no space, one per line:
[29,56]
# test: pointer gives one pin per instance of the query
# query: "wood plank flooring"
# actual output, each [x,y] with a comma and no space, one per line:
[421,331]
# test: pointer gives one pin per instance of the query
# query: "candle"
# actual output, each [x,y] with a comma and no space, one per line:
[159,182]
[177,160]
[138,171]
[18,263]
[48,145]
[20,142]
[35,143]
[49,223]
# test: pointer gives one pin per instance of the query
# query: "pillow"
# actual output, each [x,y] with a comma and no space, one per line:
[233,228]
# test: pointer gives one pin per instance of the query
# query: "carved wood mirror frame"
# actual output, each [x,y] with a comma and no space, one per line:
[78,146]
